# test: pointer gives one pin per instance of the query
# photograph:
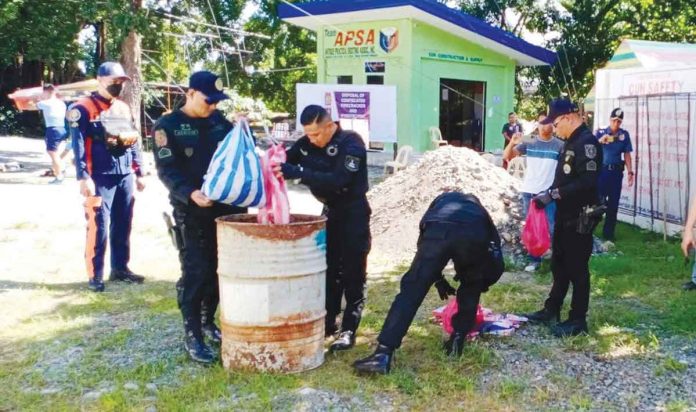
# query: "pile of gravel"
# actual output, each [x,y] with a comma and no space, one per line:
[398,203]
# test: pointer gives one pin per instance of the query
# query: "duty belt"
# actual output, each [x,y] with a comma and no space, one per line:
[614,166]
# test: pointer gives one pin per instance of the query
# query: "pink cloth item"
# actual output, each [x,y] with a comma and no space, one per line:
[487,322]
[277,207]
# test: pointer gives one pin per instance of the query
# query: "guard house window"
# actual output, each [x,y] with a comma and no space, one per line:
[375,79]
[345,79]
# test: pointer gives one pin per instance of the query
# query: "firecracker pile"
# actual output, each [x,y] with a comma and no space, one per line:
[398,203]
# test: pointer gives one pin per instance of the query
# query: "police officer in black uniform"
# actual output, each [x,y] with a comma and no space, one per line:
[185,141]
[333,163]
[575,191]
[456,226]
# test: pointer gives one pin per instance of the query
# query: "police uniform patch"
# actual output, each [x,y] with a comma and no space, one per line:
[160,138]
[188,151]
[591,166]
[352,163]
[567,169]
[218,84]
[332,150]
[164,153]
[74,115]
[622,137]
[590,151]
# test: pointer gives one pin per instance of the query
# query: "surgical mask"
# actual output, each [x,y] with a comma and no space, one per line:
[114,89]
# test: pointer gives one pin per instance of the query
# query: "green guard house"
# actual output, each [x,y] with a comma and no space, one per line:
[452,71]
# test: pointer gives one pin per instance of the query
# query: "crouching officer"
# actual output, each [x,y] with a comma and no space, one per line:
[105,143]
[456,226]
[185,141]
[333,163]
[615,142]
[575,191]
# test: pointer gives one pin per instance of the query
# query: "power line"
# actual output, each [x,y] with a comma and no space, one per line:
[215,26]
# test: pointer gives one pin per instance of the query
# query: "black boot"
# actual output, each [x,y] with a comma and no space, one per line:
[194,344]
[377,363]
[345,341]
[455,344]
[571,327]
[96,285]
[543,316]
[118,275]
[209,328]
[689,286]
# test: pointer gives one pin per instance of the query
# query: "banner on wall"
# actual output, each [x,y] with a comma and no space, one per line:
[369,110]
[660,116]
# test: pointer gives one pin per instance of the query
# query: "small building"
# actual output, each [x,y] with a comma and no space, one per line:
[452,71]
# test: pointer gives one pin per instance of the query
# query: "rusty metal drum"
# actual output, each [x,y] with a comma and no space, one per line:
[272,292]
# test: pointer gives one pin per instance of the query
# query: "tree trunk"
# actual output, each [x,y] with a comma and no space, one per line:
[131,56]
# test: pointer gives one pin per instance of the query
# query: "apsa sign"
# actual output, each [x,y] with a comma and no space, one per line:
[361,42]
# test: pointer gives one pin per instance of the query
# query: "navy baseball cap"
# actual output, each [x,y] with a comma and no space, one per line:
[113,70]
[558,107]
[617,114]
[209,84]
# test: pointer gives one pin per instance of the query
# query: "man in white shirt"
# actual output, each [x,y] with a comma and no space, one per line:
[53,110]
[542,157]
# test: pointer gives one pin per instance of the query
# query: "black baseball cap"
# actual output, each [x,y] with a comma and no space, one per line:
[558,107]
[209,84]
[617,114]
[113,70]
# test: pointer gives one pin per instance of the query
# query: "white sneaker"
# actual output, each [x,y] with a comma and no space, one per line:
[531,267]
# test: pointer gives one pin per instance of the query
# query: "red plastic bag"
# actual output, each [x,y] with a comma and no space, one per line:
[535,236]
[445,315]
[277,207]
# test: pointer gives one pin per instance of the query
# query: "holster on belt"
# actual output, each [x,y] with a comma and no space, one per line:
[176,233]
[589,218]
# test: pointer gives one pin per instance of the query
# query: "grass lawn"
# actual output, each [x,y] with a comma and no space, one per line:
[122,350]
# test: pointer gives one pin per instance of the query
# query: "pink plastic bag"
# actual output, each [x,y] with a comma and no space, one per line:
[277,208]
[449,310]
[535,236]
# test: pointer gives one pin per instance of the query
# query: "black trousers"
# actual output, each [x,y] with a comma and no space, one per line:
[467,247]
[347,246]
[570,265]
[197,289]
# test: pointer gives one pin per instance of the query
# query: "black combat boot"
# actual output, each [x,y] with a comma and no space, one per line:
[96,285]
[118,275]
[195,346]
[543,316]
[345,341]
[455,344]
[571,327]
[377,363]
[209,328]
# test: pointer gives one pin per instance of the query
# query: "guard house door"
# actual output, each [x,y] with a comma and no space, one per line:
[462,108]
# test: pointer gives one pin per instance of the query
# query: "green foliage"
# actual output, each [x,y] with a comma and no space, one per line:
[8,121]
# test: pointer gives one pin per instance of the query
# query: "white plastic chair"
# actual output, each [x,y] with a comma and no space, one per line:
[517,167]
[401,160]
[436,137]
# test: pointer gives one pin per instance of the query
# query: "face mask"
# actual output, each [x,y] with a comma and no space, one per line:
[114,89]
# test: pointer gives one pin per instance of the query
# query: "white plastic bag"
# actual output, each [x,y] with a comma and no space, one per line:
[234,174]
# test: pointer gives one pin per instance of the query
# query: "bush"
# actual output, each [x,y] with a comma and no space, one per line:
[8,121]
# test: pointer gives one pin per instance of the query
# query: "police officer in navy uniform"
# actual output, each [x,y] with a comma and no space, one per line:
[107,153]
[575,191]
[615,142]
[333,163]
[185,141]
[456,226]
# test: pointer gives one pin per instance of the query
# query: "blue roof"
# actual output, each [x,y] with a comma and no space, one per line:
[440,11]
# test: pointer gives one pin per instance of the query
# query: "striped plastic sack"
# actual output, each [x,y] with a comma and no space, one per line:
[234,174]
[277,207]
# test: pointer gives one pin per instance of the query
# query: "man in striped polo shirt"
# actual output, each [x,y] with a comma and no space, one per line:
[542,157]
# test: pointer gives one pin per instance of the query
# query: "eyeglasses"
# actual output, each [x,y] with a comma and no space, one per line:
[555,124]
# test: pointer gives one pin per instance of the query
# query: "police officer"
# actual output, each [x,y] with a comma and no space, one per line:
[615,141]
[105,143]
[333,163]
[456,226]
[574,189]
[185,141]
